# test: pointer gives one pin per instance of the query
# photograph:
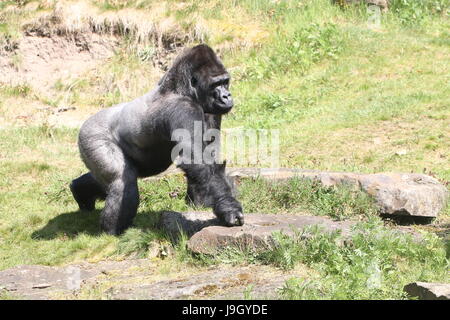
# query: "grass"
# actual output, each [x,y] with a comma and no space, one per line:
[379,81]
[20,90]
[374,263]
[297,195]
[345,97]
[41,224]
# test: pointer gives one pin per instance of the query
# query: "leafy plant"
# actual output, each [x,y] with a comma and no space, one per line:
[298,194]
[411,12]
[374,264]
[146,54]
[298,50]
[135,242]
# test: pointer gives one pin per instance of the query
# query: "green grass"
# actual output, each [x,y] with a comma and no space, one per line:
[20,90]
[111,83]
[41,224]
[297,196]
[357,85]
[374,263]
[345,97]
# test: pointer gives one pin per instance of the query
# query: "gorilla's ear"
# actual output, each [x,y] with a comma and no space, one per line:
[193,86]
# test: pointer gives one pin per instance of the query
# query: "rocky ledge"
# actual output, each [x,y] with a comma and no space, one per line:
[396,194]
[208,236]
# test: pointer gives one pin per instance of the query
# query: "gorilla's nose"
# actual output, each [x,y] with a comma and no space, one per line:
[223,98]
[227,100]
[226,96]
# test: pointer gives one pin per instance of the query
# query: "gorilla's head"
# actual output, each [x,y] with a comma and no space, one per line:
[199,74]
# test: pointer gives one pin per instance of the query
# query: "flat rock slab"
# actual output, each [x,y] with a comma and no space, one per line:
[208,236]
[221,282]
[428,291]
[402,194]
[135,279]
[37,282]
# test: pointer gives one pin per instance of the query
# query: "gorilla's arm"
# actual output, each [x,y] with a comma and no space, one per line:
[209,180]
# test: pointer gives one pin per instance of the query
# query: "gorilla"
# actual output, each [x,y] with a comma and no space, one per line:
[134,139]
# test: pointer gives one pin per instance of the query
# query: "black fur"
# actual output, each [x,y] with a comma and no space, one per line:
[86,190]
[133,139]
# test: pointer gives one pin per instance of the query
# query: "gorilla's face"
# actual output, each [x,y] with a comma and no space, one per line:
[221,98]
[216,96]
[199,74]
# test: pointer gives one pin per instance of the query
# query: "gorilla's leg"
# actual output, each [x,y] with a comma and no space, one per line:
[121,203]
[110,167]
[86,190]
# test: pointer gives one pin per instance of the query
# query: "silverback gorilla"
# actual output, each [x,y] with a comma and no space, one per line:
[133,139]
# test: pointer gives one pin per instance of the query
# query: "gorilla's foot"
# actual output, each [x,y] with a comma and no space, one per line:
[86,190]
[85,203]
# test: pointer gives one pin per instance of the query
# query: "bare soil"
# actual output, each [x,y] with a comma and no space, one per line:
[40,61]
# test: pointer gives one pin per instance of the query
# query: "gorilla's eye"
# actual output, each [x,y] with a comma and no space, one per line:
[193,81]
[222,83]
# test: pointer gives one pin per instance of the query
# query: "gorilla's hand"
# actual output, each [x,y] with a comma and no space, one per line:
[229,211]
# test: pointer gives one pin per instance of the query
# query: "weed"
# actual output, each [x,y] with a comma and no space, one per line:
[374,263]
[299,195]
[135,242]
[20,90]
[411,12]
[296,51]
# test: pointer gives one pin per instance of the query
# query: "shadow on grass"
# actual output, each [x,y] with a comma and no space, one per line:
[71,224]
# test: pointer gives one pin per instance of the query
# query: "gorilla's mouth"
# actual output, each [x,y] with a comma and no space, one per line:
[222,107]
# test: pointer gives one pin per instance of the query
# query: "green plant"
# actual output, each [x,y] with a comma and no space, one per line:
[147,53]
[135,242]
[412,12]
[300,289]
[273,101]
[20,90]
[370,265]
[296,51]
[374,262]
[248,292]
[298,195]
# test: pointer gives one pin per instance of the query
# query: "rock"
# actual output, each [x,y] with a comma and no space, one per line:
[403,194]
[401,152]
[42,286]
[139,279]
[428,291]
[188,222]
[257,232]
[396,194]
[219,282]
[34,282]
[42,282]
